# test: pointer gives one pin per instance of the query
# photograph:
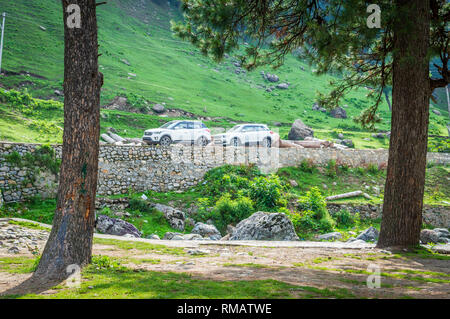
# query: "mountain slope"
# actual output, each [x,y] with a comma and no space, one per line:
[140,57]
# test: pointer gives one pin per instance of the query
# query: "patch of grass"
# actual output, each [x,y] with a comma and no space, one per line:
[128,283]
[18,265]
[139,261]
[142,246]
[29,225]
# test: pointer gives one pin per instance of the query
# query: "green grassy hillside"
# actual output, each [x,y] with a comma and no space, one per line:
[163,69]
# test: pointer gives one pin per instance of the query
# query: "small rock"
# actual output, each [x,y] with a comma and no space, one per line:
[370,234]
[330,236]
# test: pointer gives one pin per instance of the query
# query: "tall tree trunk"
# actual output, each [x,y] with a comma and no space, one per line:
[70,240]
[403,198]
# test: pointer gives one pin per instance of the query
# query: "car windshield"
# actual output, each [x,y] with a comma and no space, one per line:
[234,128]
[168,124]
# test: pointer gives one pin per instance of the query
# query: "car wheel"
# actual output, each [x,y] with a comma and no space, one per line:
[202,141]
[267,142]
[165,141]
[235,142]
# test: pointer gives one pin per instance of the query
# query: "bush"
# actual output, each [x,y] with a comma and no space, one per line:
[140,205]
[313,201]
[227,179]
[307,167]
[344,219]
[266,192]
[372,169]
[331,169]
[314,215]
[228,211]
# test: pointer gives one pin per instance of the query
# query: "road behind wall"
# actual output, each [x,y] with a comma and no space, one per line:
[178,167]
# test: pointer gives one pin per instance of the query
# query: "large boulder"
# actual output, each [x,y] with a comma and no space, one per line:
[271,77]
[175,217]
[158,108]
[206,230]
[299,131]
[370,234]
[437,235]
[117,227]
[265,226]
[119,103]
[338,113]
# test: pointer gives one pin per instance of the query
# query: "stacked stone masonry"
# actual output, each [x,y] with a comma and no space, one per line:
[178,167]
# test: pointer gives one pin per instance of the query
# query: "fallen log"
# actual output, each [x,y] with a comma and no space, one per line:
[345,195]
[288,144]
[116,137]
[313,144]
[107,139]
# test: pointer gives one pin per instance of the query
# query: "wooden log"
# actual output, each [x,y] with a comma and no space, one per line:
[116,137]
[288,144]
[345,195]
[108,139]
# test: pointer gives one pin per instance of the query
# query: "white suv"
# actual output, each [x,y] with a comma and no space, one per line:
[247,134]
[192,132]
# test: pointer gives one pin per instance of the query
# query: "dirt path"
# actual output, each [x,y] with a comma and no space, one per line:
[320,265]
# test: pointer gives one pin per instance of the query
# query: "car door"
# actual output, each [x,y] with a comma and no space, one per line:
[260,133]
[248,134]
[180,132]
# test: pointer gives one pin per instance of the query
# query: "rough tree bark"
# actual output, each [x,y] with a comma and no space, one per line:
[403,198]
[70,240]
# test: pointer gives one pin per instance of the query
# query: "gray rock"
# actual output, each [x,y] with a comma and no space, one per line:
[170,235]
[436,112]
[330,236]
[271,77]
[196,252]
[158,108]
[177,237]
[338,113]
[437,235]
[153,236]
[175,217]
[206,230]
[265,226]
[115,226]
[192,237]
[299,131]
[283,86]
[230,229]
[13,250]
[370,234]
[341,136]
[348,143]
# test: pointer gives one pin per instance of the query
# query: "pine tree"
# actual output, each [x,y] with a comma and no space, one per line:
[334,36]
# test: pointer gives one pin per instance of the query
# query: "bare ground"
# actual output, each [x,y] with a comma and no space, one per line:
[301,264]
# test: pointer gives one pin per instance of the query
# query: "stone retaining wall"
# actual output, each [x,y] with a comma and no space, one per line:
[174,168]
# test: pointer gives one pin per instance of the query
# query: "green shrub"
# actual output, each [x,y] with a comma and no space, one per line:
[267,192]
[105,263]
[344,219]
[331,169]
[140,205]
[372,169]
[227,179]
[313,201]
[228,211]
[307,167]
[14,158]
[313,215]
